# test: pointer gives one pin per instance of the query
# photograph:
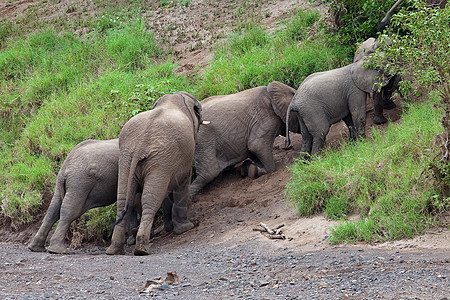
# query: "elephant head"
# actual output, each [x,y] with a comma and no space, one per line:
[368,47]
[185,101]
[367,80]
[281,97]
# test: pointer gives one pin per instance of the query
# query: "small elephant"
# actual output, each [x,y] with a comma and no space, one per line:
[156,153]
[87,179]
[325,98]
[381,99]
[243,125]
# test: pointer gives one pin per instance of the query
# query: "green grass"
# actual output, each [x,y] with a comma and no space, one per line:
[58,90]
[251,57]
[386,179]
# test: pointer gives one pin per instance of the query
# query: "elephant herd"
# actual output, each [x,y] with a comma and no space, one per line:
[150,164]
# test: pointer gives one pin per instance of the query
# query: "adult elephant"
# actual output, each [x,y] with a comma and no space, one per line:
[243,125]
[382,98]
[87,179]
[325,98]
[156,153]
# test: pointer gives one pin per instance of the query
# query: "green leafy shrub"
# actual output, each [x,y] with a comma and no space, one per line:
[421,58]
[357,20]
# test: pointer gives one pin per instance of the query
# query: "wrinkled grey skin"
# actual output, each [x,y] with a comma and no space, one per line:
[381,99]
[325,98]
[87,179]
[156,153]
[243,125]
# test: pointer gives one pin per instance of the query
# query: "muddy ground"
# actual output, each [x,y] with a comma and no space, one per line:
[223,256]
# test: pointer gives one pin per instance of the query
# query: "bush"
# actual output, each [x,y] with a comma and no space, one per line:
[386,180]
[357,20]
[421,58]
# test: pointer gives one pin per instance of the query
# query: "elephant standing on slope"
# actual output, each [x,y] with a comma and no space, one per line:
[156,153]
[87,179]
[243,125]
[326,98]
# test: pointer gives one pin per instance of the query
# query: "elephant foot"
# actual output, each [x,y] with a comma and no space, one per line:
[389,104]
[168,226]
[36,246]
[115,250]
[142,247]
[379,119]
[253,171]
[58,249]
[243,170]
[182,227]
[131,240]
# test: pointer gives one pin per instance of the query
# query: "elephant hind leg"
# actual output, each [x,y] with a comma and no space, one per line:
[307,138]
[153,194]
[71,209]
[37,244]
[263,157]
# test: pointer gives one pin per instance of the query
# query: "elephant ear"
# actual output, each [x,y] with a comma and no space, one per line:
[368,47]
[367,79]
[282,95]
[195,109]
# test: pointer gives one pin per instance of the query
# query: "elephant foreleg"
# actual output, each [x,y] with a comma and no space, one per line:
[167,213]
[378,117]
[207,168]
[179,209]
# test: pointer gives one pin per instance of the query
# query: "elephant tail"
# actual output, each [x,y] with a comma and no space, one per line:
[287,140]
[132,188]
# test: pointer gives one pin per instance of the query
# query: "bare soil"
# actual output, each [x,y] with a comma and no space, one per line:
[223,256]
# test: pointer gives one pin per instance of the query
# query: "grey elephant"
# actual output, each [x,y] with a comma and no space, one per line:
[382,98]
[156,153]
[326,98]
[243,125]
[87,179]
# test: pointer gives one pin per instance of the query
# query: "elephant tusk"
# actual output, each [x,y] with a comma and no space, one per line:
[205,122]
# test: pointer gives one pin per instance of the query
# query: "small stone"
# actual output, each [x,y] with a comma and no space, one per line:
[164,287]
[263,283]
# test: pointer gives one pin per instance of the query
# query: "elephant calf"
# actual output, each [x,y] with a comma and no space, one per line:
[87,179]
[326,98]
[156,153]
[243,125]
